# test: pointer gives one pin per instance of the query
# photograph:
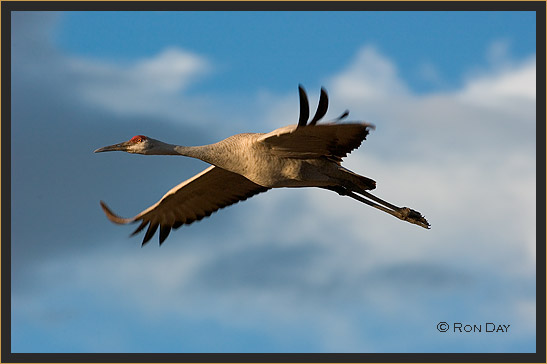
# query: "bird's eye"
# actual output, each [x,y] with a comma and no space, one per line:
[138,139]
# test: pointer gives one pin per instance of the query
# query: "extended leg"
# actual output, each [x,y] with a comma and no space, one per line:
[403,213]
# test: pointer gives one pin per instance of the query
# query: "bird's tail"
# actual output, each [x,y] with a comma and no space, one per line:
[357,182]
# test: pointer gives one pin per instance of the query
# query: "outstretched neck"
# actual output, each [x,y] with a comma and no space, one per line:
[199,152]
[215,154]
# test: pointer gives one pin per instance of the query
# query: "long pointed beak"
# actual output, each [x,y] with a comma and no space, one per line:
[112,148]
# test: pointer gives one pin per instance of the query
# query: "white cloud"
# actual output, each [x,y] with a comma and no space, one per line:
[466,158]
[498,52]
[170,71]
[430,73]
[506,89]
[370,76]
[149,86]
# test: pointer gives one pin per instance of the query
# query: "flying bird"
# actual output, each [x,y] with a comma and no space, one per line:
[243,165]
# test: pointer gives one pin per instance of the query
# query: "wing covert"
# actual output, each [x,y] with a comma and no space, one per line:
[334,141]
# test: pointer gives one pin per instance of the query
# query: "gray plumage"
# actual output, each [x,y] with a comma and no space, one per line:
[243,165]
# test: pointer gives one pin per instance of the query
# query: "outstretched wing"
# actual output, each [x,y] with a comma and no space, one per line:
[190,201]
[333,141]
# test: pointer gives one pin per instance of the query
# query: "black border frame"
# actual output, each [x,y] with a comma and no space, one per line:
[8,6]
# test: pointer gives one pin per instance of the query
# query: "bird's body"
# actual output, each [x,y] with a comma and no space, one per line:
[256,157]
[246,164]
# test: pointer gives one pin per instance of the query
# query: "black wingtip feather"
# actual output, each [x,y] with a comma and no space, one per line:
[343,116]
[139,229]
[322,107]
[164,233]
[304,106]
[149,233]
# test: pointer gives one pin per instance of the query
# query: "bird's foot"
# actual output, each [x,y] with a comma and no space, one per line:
[413,217]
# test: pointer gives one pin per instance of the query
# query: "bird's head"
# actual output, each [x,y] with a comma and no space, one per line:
[139,144]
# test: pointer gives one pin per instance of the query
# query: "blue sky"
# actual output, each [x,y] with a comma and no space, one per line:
[301,47]
[452,95]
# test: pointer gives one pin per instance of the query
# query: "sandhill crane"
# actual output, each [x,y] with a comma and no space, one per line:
[243,165]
